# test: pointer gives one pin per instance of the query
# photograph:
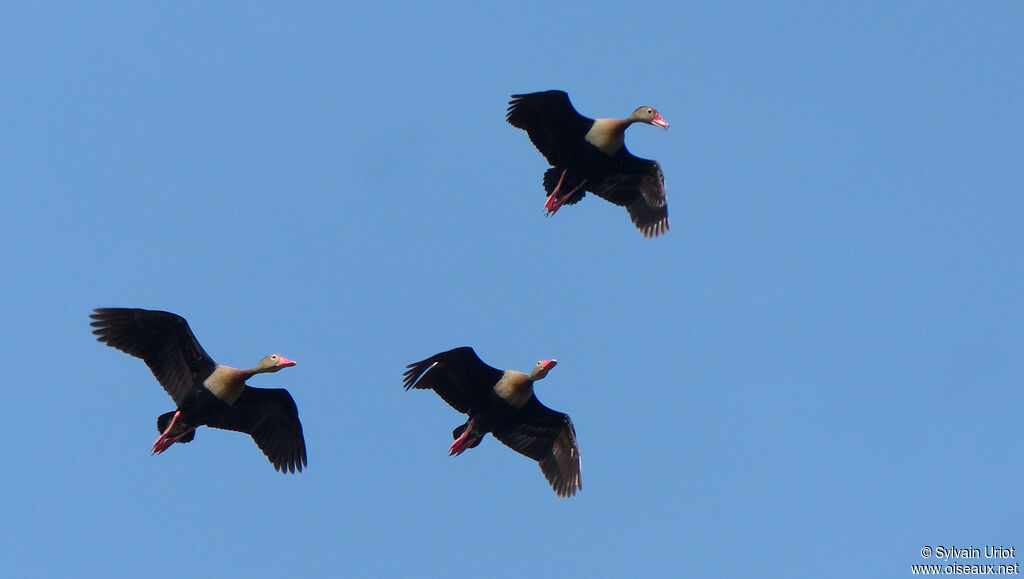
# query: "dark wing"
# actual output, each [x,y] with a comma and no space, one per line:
[549,438]
[270,416]
[458,376]
[163,340]
[639,186]
[551,121]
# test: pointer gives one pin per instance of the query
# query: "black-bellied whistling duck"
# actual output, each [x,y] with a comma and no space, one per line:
[590,155]
[205,392]
[503,403]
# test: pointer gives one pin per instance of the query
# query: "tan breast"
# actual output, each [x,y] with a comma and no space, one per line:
[514,388]
[226,383]
[607,135]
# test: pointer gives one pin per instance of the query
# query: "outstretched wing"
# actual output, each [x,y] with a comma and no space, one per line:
[270,416]
[549,438]
[162,340]
[551,121]
[458,376]
[639,186]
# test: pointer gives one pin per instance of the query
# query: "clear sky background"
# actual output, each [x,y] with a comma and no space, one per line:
[818,371]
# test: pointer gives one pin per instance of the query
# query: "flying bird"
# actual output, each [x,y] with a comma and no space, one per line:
[206,393]
[590,155]
[502,402]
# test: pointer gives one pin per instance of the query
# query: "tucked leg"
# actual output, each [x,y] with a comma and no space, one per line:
[464,441]
[166,440]
[555,202]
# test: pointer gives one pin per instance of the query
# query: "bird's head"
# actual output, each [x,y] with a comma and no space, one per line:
[273,363]
[542,368]
[649,115]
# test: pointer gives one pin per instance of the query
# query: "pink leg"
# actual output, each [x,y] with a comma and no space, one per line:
[554,195]
[461,443]
[560,181]
[555,202]
[165,441]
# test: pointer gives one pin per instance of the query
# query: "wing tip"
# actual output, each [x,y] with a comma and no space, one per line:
[566,488]
[416,372]
[292,464]
[652,230]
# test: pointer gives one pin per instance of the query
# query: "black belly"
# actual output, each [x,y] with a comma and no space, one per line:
[200,406]
[584,163]
[498,416]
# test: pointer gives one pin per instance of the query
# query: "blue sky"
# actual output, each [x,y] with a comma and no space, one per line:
[816,372]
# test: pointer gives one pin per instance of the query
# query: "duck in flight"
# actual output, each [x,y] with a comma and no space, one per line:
[206,393]
[502,402]
[590,155]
